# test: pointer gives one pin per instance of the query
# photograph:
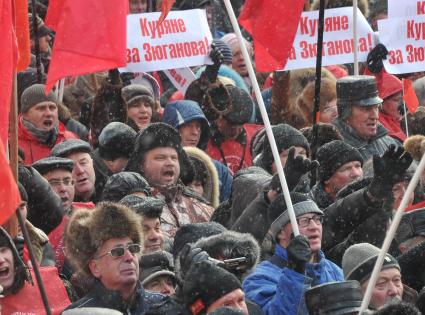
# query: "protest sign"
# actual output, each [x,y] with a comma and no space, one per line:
[405,40]
[182,39]
[338,43]
[181,78]
[398,8]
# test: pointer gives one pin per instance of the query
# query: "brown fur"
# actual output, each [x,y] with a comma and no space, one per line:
[363,5]
[89,229]
[415,145]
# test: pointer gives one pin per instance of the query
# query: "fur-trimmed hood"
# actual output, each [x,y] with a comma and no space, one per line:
[211,191]
[231,244]
[87,230]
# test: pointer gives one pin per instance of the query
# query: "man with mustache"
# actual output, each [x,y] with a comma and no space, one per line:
[358,110]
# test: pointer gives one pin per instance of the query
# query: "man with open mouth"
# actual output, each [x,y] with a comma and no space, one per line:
[39,126]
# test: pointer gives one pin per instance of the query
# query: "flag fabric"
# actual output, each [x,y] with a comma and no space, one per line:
[90,37]
[273,25]
[22,34]
[409,96]
[165,9]
[9,192]
[53,14]
[8,59]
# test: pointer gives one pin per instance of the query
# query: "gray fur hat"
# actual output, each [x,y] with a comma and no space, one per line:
[359,259]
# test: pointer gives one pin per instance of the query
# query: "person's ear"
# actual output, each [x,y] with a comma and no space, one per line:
[94,268]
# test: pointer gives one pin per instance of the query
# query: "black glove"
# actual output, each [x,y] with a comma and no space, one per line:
[375,58]
[126,78]
[295,167]
[217,57]
[189,256]
[299,253]
[19,244]
[114,76]
[388,170]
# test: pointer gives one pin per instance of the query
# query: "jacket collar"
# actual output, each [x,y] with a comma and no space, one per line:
[349,132]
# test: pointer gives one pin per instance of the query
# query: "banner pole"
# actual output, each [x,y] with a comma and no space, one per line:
[265,117]
[390,234]
[405,111]
[355,37]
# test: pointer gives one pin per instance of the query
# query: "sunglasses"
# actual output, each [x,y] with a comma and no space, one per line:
[119,251]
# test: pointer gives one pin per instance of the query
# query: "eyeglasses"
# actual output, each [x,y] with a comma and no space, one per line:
[119,251]
[304,222]
[58,182]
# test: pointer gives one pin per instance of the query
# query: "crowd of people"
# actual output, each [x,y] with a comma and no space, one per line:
[141,200]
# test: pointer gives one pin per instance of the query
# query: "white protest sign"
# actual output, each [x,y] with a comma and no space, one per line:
[181,78]
[405,40]
[181,40]
[400,8]
[338,42]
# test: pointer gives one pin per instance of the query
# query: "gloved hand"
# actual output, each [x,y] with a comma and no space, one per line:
[299,253]
[375,58]
[388,170]
[295,167]
[189,256]
[19,244]
[217,57]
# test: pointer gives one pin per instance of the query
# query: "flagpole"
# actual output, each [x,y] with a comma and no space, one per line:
[265,117]
[355,37]
[405,111]
[390,234]
[61,90]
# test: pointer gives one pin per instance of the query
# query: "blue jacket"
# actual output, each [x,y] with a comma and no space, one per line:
[281,291]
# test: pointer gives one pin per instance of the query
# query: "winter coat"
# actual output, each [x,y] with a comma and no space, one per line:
[99,296]
[367,148]
[235,154]
[33,149]
[225,180]
[77,128]
[101,171]
[392,125]
[183,206]
[280,291]
[44,205]
[412,264]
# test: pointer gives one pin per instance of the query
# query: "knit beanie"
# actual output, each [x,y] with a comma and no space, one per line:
[34,95]
[359,259]
[286,136]
[333,155]
[278,213]
[205,283]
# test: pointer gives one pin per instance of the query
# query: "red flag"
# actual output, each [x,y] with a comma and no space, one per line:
[9,192]
[165,9]
[90,37]
[409,96]
[22,34]
[273,25]
[53,13]
[8,59]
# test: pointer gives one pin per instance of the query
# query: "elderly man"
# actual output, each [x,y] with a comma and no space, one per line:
[160,158]
[358,110]
[358,263]
[278,284]
[104,245]
[83,172]
[39,126]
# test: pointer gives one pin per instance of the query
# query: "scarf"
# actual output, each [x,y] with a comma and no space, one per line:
[44,137]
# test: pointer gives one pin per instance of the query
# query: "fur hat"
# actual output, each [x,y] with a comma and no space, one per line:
[205,283]
[333,155]
[359,259]
[146,206]
[122,184]
[87,230]
[211,186]
[415,145]
[242,106]
[278,213]
[156,264]
[363,5]
[116,140]
[415,121]
[286,136]
[34,95]
[134,93]
[412,224]
[400,308]
[231,244]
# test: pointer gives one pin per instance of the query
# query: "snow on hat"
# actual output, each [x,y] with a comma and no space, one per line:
[122,184]
[333,155]
[242,106]
[359,259]
[205,283]
[53,163]
[34,95]
[156,264]
[146,206]
[69,146]
[116,140]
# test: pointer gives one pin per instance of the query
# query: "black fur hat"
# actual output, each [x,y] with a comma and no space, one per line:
[116,140]
[146,206]
[122,184]
[88,229]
